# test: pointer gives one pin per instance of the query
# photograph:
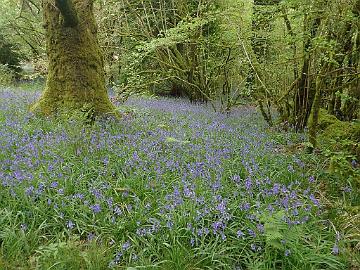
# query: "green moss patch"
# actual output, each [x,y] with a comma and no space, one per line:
[341,136]
[325,119]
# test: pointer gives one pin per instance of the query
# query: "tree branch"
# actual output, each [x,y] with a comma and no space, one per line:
[68,11]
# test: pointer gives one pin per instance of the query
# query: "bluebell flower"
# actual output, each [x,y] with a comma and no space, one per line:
[70,225]
[23,227]
[90,236]
[54,184]
[314,200]
[251,233]
[240,234]
[354,163]
[335,250]
[126,246]
[312,179]
[96,208]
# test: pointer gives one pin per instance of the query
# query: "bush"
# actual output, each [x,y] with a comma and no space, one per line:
[6,75]
[341,136]
[9,56]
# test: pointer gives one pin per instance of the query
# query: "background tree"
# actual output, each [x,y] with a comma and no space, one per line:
[179,48]
[10,56]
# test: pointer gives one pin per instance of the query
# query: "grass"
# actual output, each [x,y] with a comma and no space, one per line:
[171,186]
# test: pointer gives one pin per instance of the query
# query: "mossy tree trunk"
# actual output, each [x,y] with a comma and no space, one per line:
[352,104]
[305,88]
[76,70]
[314,116]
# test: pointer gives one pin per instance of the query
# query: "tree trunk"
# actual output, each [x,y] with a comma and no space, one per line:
[305,91]
[75,78]
[351,105]
[314,117]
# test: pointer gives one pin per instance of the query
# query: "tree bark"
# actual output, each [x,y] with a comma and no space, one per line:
[314,117]
[305,91]
[76,70]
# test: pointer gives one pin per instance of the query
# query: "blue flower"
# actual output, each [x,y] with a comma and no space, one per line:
[335,250]
[240,234]
[96,208]
[312,179]
[251,233]
[126,246]
[70,225]
[90,236]
[54,184]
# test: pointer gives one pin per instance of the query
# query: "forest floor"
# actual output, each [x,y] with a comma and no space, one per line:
[172,185]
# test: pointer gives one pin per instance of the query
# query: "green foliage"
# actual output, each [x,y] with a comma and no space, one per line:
[178,49]
[339,141]
[73,255]
[275,230]
[289,43]
[21,24]
[171,56]
[326,119]
[182,33]
[9,56]
[341,135]
[21,37]
[6,75]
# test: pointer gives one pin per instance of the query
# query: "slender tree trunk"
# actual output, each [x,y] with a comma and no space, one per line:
[305,91]
[76,70]
[314,117]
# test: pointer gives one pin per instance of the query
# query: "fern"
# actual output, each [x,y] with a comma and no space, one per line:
[274,229]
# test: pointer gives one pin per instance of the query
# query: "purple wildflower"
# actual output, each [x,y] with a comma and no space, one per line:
[335,250]
[314,200]
[248,184]
[54,184]
[90,236]
[70,225]
[240,234]
[96,208]
[251,233]
[126,246]
[29,191]
[312,179]
[354,163]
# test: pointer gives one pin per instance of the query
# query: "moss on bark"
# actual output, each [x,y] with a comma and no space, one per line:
[76,70]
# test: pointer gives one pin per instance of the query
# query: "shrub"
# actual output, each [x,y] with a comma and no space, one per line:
[9,56]
[6,75]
